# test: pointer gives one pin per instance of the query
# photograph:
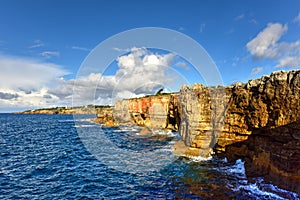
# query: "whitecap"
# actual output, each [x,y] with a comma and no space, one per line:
[85,125]
[200,158]
[255,190]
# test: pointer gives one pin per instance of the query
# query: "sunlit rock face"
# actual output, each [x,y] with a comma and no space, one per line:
[105,117]
[257,121]
[260,125]
[156,112]
[216,117]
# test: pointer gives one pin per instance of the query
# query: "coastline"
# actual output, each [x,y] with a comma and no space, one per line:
[222,121]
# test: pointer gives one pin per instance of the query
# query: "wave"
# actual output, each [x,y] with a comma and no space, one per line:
[259,189]
[85,125]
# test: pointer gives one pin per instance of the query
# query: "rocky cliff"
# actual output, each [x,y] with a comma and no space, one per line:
[213,118]
[156,112]
[257,121]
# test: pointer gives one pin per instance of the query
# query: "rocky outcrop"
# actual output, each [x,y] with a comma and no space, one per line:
[273,153]
[260,125]
[202,111]
[215,117]
[105,117]
[156,112]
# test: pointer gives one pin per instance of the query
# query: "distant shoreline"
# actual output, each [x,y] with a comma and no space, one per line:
[88,109]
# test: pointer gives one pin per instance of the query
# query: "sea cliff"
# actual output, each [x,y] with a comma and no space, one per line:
[230,114]
[253,121]
[156,112]
[257,122]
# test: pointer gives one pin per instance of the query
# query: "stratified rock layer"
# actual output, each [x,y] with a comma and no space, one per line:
[105,117]
[156,112]
[216,117]
[257,121]
[254,121]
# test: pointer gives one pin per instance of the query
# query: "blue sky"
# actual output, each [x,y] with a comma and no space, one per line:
[44,43]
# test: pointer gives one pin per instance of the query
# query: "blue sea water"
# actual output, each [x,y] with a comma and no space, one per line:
[45,157]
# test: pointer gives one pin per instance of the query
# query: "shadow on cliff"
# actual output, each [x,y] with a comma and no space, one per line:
[272,153]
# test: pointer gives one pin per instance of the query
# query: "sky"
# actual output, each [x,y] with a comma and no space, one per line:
[46,45]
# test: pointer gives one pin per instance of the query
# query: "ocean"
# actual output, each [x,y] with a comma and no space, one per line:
[66,157]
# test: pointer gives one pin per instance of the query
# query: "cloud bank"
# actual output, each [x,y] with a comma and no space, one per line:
[24,82]
[30,84]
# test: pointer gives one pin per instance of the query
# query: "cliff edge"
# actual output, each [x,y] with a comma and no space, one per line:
[213,118]
[254,121]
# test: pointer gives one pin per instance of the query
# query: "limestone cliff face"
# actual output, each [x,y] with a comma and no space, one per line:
[105,117]
[257,121]
[156,112]
[202,116]
[216,117]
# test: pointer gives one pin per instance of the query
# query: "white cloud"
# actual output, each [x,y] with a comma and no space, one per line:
[140,72]
[49,54]
[37,43]
[267,45]
[256,71]
[264,44]
[27,74]
[297,19]
[288,61]
[31,84]
[24,82]
[81,48]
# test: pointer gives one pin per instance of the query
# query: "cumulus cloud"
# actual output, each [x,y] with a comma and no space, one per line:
[24,82]
[49,54]
[140,72]
[267,45]
[25,74]
[32,84]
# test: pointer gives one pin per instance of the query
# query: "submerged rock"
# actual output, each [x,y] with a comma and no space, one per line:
[146,131]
